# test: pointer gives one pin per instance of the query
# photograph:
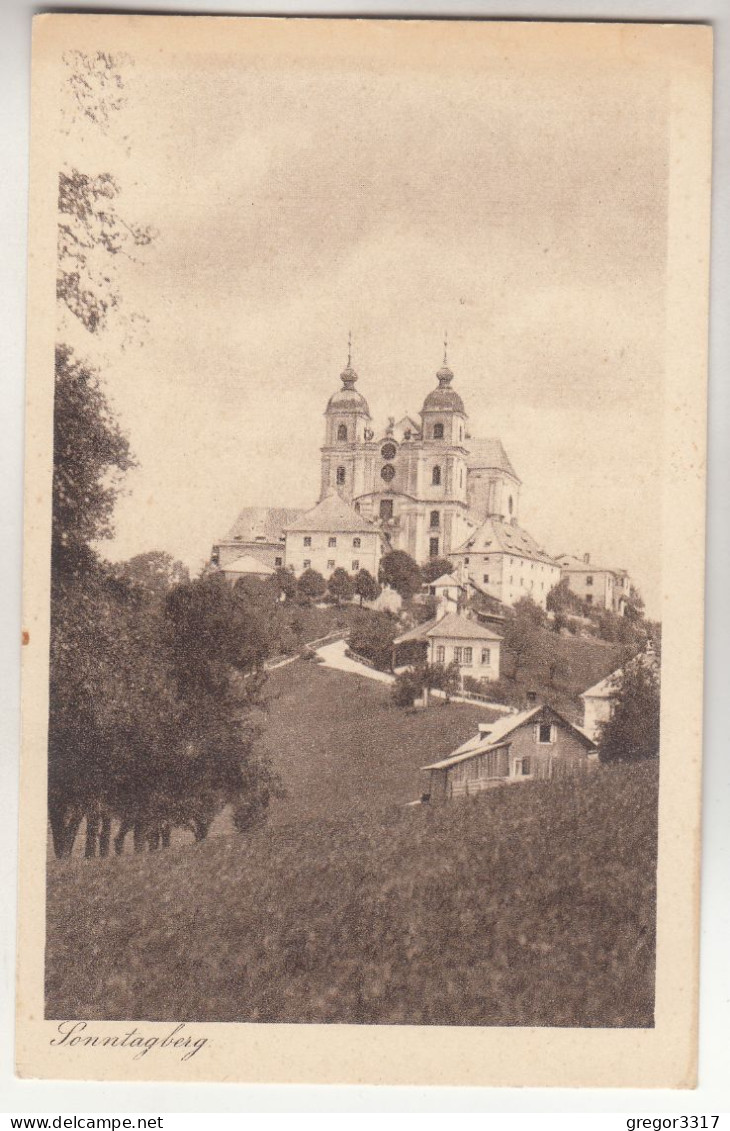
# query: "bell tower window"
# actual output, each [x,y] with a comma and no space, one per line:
[340,475]
[436,476]
[438,431]
[342,432]
[434,523]
[433,547]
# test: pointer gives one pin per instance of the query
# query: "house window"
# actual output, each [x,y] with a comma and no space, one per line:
[486,657]
[340,475]
[436,476]
[278,561]
[440,654]
[433,547]
[342,432]
[357,507]
[467,657]
[461,432]
[438,431]
[458,654]
[355,566]
[331,563]
[356,543]
[434,519]
[589,598]
[486,578]
[523,767]
[307,563]
[461,477]
[510,504]
[545,734]
[307,540]
[589,579]
[331,541]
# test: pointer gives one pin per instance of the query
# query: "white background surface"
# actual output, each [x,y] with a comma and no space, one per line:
[713,1094]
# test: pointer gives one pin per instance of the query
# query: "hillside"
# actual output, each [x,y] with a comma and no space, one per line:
[341,747]
[530,905]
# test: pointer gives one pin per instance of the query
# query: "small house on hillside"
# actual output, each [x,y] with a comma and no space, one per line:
[599,700]
[454,638]
[535,744]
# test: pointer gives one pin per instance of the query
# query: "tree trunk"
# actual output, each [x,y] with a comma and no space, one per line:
[140,841]
[166,834]
[124,828]
[92,835]
[105,835]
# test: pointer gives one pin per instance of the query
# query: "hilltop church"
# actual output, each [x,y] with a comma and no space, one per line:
[425,486]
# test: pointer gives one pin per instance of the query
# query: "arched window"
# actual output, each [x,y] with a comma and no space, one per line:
[510,504]
[438,431]
[341,431]
[434,519]
[340,475]
[436,476]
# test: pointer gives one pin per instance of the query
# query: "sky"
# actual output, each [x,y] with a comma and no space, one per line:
[512,193]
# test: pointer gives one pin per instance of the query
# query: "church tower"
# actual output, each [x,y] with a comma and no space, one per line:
[347,429]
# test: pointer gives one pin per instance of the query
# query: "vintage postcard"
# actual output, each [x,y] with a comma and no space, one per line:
[364,550]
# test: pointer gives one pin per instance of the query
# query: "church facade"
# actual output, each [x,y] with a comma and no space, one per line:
[426,484]
[423,484]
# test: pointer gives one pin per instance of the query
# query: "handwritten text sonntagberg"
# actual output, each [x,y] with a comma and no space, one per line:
[74,1034]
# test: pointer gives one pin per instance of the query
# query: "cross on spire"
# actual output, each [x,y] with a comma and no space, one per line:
[446,344]
[349,348]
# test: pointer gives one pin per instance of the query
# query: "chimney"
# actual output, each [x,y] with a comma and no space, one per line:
[587,559]
[532,698]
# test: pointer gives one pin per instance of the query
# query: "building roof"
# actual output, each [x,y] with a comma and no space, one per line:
[451,626]
[265,524]
[495,734]
[444,398]
[488,453]
[332,513]
[607,687]
[247,565]
[571,564]
[347,399]
[446,579]
[495,536]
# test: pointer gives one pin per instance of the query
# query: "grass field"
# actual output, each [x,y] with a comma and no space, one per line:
[342,749]
[531,905]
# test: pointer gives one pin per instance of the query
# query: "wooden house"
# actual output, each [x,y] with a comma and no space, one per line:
[535,744]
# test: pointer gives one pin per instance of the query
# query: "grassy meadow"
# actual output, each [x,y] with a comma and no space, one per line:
[529,905]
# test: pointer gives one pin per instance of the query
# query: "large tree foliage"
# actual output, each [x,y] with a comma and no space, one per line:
[631,734]
[400,572]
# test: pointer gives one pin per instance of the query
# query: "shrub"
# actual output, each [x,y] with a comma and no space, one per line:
[372,635]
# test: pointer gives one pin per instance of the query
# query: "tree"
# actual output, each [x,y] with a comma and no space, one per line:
[400,572]
[408,687]
[631,734]
[156,572]
[529,610]
[372,635]
[562,599]
[524,643]
[340,585]
[286,583]
[434,568]
[311,585]
[366,587]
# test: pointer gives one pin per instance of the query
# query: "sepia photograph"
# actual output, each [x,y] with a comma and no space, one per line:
[357,495]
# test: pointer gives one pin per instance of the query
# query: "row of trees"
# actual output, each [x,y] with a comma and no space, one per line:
[312,586]
[155,680]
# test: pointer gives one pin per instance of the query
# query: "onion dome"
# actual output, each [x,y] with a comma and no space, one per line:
[347,399]
[444,399]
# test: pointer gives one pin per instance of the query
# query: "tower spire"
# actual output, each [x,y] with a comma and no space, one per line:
[446,345]
[349,349]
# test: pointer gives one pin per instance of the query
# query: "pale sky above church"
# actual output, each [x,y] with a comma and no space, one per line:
[521,206]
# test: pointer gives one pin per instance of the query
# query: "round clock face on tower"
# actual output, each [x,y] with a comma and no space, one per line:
[388,451]
[387,473]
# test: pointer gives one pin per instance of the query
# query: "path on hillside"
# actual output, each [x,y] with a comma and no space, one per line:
[333,656]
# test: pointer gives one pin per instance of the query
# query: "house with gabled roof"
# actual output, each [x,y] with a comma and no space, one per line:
[536,744]
[455,638]
[258,532]
[506,562]
[333,535]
